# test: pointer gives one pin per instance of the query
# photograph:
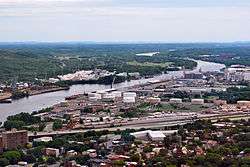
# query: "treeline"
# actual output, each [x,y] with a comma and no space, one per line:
[25,62]
[233,94]
[30,62]
[19,121]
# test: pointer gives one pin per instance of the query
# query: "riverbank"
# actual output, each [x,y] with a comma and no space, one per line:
[38,92]
[44,100]
[4,97]
[8,97]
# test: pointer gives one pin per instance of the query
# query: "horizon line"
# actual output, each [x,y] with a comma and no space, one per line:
[127,42]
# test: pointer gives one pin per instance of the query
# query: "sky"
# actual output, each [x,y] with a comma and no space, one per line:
[125,20]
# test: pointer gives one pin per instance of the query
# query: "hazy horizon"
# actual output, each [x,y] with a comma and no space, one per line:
[129,21]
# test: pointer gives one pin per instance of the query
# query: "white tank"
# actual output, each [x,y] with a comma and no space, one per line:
[93,99]
[117,93]
[129,94]
[95,95]
[129,99]
[108,96]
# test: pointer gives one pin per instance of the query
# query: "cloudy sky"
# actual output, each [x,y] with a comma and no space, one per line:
[125,20]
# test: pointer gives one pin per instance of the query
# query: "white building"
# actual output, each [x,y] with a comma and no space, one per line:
[43,139]
[117,93]
[238,73]
[153,100]
[246,76]
[153,135]
[199,90]
[129,94]
[95,96]
[175,100]
[128,100]
[197,101]
[134,74]
[156,135]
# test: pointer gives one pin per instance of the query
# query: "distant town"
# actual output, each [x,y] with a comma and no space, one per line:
[157,111]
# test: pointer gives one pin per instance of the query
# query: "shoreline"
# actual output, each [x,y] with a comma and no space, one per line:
[48,91]
[35,103]
[5,97]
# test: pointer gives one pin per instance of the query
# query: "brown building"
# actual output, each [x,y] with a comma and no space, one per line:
[71,164]
[13,139]
[1,144]
[52,152]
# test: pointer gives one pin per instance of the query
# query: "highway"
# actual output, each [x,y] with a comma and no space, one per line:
[154,123]
[139,126]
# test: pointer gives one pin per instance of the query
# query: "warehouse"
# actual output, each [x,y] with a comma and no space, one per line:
[197,101]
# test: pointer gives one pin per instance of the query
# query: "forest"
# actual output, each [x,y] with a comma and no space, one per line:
[28,61]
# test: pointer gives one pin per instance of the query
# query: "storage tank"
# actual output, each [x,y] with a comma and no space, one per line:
[129,99]
[117,93]
[197,101]
[153,100]
[95,95]
[129,94]
[108,96]
[93,99]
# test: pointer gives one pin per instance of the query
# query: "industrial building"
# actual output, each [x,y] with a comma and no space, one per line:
[238,73]
[175,101]
[153,135]
[197,101]
[153,100]
[193,76]
[243,103]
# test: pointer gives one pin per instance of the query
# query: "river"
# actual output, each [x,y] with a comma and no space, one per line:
[37,102]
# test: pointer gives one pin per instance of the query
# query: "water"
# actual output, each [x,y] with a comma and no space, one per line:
[147,54]
[37,102]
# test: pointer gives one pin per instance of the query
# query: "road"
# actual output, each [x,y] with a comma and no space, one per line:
[160,123]
[139,126]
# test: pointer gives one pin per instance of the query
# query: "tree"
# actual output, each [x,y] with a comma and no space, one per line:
[19,120]
[27,118]
[36,152]
[4,162]
[8,125]
[200,160]
[118,163]
[127,137]
[147,149]
[245,162]
[41,126]
[80,159]
[57,124]
[51,160]
[135,157]
[29,158]
[12,156]
[213,158]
